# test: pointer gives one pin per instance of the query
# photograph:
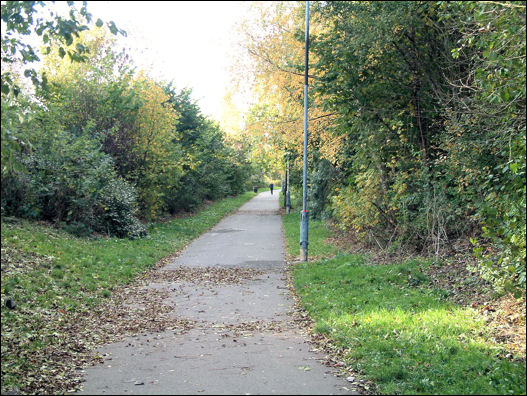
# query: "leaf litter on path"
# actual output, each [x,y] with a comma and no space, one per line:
[208,275]
[71,337]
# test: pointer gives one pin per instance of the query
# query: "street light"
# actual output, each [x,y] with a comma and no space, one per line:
[304,239]
[287,193]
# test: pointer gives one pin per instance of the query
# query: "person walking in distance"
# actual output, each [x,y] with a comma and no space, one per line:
[271,188]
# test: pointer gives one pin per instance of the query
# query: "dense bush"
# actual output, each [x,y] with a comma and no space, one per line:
[118,206]
[66,179]
[101,144]
[420,109]
[431,101]
[320,182]
[488,121]
[214,169]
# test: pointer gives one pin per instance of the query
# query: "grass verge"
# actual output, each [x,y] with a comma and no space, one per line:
[395,328]
[318,234]
[49,274]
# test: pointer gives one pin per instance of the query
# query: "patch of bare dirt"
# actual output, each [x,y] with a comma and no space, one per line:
[348,241]
[506,317]
[464,286]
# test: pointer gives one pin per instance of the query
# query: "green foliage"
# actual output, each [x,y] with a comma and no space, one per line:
[488,122]
[67,179]
[15,134]
[320,181]
[429,100]
[23,18]
[214,170]
[379,81]
[106,144]
[119,205]
[503,214]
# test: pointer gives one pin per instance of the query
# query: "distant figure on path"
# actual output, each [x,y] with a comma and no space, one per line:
[271,187]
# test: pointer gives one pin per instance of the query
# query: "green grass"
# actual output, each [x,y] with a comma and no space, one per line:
[318,233]
[398,331]
[68,273]
[96,265]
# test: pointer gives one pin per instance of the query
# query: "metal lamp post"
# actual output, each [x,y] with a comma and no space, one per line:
[287,194]
[304,239]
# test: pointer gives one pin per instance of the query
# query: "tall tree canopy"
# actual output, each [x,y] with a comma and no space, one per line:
[101,144]
[417,120]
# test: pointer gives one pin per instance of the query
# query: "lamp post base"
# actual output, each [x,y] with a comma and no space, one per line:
[304,234]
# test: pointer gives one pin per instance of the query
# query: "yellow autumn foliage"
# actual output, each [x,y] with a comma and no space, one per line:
[155,144]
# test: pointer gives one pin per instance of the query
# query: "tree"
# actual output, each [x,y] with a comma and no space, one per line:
[417,120]
[275,48]
[24,18]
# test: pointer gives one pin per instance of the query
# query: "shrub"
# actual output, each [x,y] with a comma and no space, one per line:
[320,189]
[187,195]
[67,179]
[118,204]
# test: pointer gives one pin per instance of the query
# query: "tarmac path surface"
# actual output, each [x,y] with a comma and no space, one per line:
[243,341]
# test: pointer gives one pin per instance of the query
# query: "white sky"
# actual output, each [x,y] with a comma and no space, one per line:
[189,42]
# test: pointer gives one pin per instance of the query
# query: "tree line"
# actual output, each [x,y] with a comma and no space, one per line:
[93,143]
[417,121]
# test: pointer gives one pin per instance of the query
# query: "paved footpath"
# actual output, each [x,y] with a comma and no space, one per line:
[243,341]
